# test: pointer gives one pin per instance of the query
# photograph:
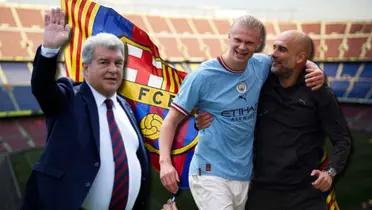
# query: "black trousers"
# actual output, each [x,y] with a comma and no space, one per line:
[304,198]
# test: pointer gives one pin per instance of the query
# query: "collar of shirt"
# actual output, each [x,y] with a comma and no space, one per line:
[100,99]
[274,80]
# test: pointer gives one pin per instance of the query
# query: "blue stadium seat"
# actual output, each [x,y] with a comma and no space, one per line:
[360,89]
[16,73]
[350,69]
[25,99]
[330,69]
[339,87]
[6,104]
[367,71]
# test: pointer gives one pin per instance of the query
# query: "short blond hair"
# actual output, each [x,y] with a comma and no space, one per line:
[253,23]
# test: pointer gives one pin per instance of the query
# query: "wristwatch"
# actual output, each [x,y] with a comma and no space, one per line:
[332,172]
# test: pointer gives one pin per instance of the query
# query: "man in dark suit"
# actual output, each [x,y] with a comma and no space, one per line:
[94,156]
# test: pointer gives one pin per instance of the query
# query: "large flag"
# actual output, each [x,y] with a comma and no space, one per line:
[149,85]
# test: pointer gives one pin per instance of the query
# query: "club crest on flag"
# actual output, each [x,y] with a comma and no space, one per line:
[149,84]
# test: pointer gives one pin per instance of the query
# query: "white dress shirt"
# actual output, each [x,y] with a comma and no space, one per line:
[99,194]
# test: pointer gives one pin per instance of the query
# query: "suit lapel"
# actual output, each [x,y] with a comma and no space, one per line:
[87,96]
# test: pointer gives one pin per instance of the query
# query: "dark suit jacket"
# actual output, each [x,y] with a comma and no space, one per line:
[69,164]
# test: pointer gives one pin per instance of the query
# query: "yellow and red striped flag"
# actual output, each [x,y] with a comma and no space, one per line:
[149,85]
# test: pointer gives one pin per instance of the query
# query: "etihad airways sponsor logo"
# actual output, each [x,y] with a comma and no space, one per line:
[240,114]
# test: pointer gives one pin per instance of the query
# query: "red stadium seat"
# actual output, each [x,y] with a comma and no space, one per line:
[354,47]
[11,45]
[34,39]
[311,28]
[10,133]
[35,128]
[213,46]
[6,16]
[367,28]
[30,17]
[202,26]
[332,46]
[194,49]
[222,25]
[270,30]
[317,48]
[170,48]
[287,26]
[181,25]
[356,28]
[337,28]
[368,54]
[158,24]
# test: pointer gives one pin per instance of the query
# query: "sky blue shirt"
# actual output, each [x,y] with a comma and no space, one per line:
[225,148]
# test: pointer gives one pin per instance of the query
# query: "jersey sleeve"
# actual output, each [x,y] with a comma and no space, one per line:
[189,94]
[264,62]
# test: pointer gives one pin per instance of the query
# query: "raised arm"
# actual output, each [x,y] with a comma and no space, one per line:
[56,31]
[49,94]
[168,174]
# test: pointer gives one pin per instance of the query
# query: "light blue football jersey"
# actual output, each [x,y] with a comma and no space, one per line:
[225,148]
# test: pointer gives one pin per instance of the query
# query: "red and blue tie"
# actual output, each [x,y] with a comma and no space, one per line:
[119,195]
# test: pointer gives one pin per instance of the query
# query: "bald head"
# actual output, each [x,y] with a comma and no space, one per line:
[291,51]
[300,42]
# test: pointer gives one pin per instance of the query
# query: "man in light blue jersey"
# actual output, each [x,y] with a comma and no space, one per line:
[228,87]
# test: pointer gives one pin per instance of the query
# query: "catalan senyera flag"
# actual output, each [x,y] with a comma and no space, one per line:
[149,85]
[329,196]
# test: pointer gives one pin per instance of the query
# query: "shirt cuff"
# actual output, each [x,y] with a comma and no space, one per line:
[180,109]
[48,52]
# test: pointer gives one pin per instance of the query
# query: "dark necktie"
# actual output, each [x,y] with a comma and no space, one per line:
[119,195]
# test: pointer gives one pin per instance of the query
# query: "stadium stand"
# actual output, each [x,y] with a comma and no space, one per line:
[350,69]
[340,87]
[12,137]
[6,104]
[33,126]
[16,73]
[25,99]
[33,39]
[360,89]
[21,27]
[202,26]
[367,71]
[330,69]
[7,18]
[30,17]
[181,25]
[22,133]
[13,47]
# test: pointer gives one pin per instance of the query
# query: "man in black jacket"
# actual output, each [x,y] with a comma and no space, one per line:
[292,124]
